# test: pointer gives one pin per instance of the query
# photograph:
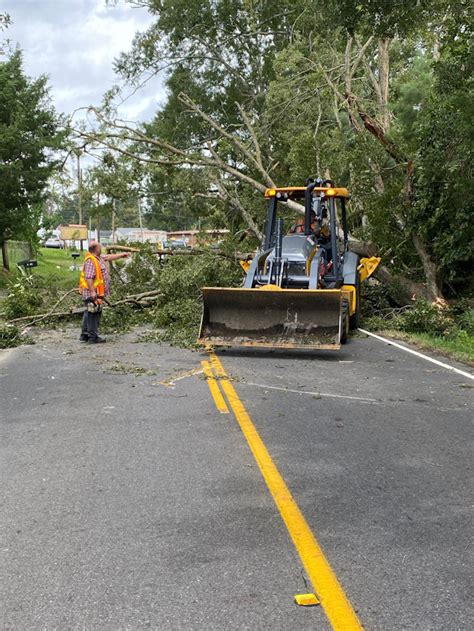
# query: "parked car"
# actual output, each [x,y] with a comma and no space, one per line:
[176,244]
[53,242]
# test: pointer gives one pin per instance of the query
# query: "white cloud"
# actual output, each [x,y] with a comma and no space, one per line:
[75,43]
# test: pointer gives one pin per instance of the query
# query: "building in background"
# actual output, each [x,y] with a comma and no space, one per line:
[144,235]
[192,238]
[105,236]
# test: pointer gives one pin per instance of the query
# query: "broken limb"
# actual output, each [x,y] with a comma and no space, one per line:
[144,299]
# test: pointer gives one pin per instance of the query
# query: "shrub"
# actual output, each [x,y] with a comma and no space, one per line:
[10,336]
[178,321]
[463,314]
[375,323]
[184,276]
[181,279]
[375,299]
[122,318]
[424,317]
[140,273]
[24,297]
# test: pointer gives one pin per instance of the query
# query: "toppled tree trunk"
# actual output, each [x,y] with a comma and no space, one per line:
[238,256]
[403,291]
[378,126]
[145,299]
[120,248]
[141,300]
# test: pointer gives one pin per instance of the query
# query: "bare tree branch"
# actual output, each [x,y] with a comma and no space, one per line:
[256,144]
[254,159]
[233,199]
[360,55]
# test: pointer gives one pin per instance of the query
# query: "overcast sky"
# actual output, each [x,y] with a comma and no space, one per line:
[74,42]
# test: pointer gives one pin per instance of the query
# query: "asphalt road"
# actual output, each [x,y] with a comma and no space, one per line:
[129,502]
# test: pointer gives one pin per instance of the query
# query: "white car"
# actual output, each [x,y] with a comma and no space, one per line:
[53,242]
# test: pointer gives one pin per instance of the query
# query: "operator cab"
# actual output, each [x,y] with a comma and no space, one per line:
[309,256]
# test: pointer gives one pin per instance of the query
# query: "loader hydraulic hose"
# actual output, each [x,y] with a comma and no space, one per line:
[332,220]
[308,201]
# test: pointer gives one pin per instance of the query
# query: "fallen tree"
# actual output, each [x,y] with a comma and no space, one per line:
[145,299]
[402,289]
[238,256]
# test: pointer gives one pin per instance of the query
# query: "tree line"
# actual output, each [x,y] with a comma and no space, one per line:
[376,95]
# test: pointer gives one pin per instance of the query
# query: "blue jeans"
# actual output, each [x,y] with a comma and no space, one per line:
[90,322]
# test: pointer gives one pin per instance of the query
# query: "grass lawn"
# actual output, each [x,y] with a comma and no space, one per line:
[55,265]
[459,347]
[57,282]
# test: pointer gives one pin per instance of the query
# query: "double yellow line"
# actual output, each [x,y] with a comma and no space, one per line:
[338,609]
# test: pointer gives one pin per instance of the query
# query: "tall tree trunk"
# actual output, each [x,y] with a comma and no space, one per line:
[6,263]
[377,129]
[430,269]
[384,71]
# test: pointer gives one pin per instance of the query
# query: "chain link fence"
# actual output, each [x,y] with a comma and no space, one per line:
[15,251]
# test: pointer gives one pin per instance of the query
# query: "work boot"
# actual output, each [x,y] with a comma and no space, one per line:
[83,338]
[97,340]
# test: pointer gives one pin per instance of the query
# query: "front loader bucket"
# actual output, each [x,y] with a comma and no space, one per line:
[272,318]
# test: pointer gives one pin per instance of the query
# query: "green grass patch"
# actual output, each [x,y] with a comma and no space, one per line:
[449,330]
[458,346]
[54,265]
[47,283]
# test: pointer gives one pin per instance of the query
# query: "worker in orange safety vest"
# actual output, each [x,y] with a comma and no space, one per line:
[94,285]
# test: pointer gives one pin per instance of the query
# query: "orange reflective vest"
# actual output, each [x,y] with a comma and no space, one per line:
[99,284]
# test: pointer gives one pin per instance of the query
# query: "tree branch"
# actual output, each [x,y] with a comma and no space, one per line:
[234,201]
[256,144]
[254,159]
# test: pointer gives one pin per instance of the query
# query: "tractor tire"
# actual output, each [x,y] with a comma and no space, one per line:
[345,322]
[354,320]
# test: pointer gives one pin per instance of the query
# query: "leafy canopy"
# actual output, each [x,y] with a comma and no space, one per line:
[29,134]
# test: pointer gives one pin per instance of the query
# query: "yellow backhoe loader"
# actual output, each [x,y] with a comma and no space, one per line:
[302,289]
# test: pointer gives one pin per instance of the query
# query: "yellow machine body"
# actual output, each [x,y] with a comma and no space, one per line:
[300,290]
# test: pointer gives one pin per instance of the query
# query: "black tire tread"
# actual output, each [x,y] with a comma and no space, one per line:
[354,320]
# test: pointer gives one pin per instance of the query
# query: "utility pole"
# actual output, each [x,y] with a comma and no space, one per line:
[98,217]
[113,219]
[79,191]
[140,218]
